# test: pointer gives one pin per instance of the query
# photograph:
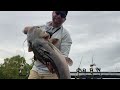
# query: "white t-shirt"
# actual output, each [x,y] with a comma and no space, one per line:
[64,45]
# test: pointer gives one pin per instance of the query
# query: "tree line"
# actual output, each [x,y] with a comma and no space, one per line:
[15,68]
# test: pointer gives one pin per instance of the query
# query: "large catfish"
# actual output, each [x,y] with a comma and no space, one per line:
[45,51]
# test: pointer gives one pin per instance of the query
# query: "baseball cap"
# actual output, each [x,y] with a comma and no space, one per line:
[63,14]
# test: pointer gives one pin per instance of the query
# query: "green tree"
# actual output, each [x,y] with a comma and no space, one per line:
[14,68]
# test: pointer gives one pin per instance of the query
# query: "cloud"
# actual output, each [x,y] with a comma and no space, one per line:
[94,33]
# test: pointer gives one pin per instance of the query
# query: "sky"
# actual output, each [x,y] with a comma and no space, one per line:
[95,36]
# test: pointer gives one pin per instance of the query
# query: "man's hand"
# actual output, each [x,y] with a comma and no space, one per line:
[54,41]
[69,61]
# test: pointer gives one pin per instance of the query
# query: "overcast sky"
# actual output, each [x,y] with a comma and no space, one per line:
[94,34]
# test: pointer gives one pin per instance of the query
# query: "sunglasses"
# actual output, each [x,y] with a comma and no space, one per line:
[60,13]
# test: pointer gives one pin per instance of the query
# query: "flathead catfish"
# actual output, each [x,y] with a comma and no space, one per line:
[45,51]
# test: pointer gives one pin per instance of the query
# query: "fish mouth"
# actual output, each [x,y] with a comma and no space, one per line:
[42,54]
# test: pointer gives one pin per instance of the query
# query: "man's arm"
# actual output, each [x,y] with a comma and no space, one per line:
[66,43]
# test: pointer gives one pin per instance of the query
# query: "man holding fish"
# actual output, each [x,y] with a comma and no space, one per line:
[61,39]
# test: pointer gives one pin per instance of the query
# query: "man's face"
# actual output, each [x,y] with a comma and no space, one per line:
[58,18]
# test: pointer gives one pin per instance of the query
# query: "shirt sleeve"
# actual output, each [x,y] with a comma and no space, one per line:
[66,43]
